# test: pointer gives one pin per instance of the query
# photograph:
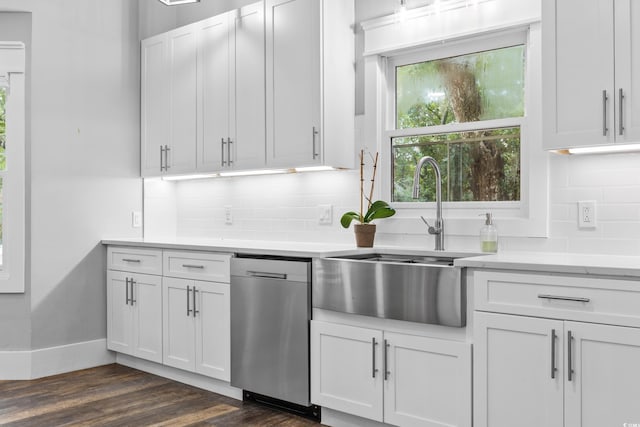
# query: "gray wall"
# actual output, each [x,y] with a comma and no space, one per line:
[83,165]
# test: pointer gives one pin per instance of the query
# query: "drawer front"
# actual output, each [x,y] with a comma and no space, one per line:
[148,261]
[213,267]
[582,298]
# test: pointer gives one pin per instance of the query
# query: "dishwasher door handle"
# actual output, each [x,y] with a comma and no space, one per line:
[267,275]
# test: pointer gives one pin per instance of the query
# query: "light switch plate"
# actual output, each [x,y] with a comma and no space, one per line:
[587,214]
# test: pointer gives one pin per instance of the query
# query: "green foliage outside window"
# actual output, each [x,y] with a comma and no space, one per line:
[479,165]
[3,98]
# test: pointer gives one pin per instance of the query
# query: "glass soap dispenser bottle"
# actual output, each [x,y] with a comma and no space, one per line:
[489,235]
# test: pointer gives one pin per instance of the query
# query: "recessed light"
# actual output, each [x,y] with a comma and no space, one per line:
[175,2]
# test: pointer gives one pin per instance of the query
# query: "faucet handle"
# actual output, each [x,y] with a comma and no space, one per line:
[432,229]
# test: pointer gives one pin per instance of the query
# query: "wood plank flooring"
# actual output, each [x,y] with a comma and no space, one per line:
[115,395]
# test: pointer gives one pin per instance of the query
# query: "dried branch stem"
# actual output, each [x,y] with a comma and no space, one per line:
[361,184]
[373,180]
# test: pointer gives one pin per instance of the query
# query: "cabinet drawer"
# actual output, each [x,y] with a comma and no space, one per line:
[136,260]
[214,267]
[583,298]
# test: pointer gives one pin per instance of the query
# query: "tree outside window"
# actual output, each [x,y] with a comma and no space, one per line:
[439,99]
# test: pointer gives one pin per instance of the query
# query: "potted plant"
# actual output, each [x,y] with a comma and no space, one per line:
[365,230]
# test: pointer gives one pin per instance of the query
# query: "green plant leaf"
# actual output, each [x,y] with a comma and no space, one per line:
[348,217]
[379,209]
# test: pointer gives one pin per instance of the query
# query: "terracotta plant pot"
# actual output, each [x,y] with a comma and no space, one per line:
[365,233]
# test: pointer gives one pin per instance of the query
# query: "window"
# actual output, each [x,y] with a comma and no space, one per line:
[500,42]
[12,158]
[465,107]
[3,159]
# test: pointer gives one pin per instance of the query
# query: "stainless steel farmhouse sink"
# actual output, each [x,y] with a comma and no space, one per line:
[421,289]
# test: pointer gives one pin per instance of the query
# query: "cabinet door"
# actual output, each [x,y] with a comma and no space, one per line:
[603,389]
[119,313]
[212,334]
[181,157]
[578,73]
[293,82]
[627,21]
[214,96]
[428,381]
[178,324]
[147,305]
[512,365]
[347,369]
[154,114]
[247,80]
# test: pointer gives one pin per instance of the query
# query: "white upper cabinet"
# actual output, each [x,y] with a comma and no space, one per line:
[271,84]
[591,72]
[154,101]
[310,83]
[168,105]
[213,114]
[180,156]
[232,107]
[247,105]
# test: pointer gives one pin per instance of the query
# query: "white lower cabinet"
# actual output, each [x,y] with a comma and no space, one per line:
[535,372]
[196,326]
[134,314]
[397,378]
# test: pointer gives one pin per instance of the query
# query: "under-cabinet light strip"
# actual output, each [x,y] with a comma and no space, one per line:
[605,149]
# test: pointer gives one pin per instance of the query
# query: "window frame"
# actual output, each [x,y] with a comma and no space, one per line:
[12,70]
[431,53]
[427,27]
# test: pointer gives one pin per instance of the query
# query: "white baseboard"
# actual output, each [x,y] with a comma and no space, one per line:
[31,364]
[185,377]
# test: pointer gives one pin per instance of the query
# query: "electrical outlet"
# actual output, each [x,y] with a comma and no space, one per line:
[136,219]
[587,214]
[325,214]
[228,216]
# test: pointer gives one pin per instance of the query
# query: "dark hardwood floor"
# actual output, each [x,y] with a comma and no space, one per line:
[115,395]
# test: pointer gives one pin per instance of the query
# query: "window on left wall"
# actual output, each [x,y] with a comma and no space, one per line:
[12,167]
[3,157]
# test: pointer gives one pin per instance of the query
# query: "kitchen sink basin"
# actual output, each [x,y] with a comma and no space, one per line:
[424,289]
[405,259]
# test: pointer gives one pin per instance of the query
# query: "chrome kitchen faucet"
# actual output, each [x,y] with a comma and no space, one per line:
[438,228]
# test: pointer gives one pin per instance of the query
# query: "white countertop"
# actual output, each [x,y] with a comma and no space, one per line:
[606,265]
[276,248]
[559,262]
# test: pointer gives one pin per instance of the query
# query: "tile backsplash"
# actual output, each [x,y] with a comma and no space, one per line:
[286,207]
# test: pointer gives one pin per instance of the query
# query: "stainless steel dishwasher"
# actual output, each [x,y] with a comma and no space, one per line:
[270,314]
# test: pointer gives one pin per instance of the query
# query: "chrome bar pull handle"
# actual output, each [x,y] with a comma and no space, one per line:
[563,298]
[131,260]
[605,98]
[132,282]
[620,109]
[386,366]
[229,142]
[374,370]
[166,157]
[126,290]
[314,134]
[195,310]
[192,266]
[267,275]
[569,356]
[553,354]
[188,301]
[222,144]
[161,158]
